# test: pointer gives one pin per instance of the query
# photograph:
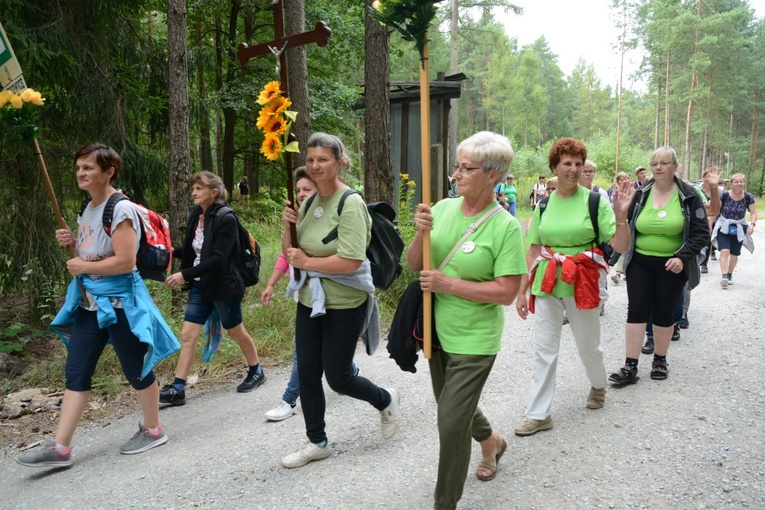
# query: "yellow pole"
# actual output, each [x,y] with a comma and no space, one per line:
[56,209]
[427,298]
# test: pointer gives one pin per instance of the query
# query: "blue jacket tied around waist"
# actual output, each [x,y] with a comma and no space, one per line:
[146,321]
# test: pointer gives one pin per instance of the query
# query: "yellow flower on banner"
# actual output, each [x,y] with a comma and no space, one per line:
[5,97]
[272,147]
[26,95]
[276,125]
[280,104]
[264,117]
[19,113]
[275,121]
[269,92]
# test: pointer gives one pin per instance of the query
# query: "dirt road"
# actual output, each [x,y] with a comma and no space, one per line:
[695,440]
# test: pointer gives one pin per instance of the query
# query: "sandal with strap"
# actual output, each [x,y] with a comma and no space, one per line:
[659,370]
[490,464]
[626,375]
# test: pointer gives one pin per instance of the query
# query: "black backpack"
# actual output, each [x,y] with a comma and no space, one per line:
[593,202]
[385,248]
[249,250]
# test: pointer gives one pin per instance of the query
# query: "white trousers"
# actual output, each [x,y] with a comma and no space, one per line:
[585,324]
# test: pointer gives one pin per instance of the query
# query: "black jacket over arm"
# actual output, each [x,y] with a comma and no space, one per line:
[219,276]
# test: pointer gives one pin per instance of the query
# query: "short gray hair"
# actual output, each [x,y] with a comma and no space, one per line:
[335,145]
[491,150]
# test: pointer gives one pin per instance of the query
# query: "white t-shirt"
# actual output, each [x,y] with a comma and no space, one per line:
[93,243]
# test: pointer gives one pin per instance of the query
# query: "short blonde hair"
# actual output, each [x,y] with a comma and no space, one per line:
[491,150]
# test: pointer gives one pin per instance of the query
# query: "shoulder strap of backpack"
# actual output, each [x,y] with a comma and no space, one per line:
[542,206]
[333,235]
[593,201]
[108,215]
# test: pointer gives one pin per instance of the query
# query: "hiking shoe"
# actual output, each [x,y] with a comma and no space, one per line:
[143,440]
[615,278]
[684,322]
[281,412]
[676,333]
[169,395]
[724,281]
[251,382]
[648,347]
[565,318]
[704,269]
[596,399]
[390,417]
[305,455]
[530,426]
[47,456]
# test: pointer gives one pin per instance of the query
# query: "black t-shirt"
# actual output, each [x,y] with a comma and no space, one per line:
[244,188]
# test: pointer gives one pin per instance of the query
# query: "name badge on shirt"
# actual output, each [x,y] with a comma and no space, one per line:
[662,214]
[318,213]
[468,247]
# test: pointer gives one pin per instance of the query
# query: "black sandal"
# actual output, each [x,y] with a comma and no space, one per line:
[659,370]
[626,375]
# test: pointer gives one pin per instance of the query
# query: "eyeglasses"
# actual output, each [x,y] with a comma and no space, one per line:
[466,170]
[662,163]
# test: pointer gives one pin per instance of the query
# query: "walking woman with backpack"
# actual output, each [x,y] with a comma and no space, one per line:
[336,302]
[669,228]
[210,271]
[568,276]
[116,308]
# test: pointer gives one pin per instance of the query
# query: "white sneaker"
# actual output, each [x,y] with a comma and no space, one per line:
[390,417]
[724,281]
[305,455]
[281,412]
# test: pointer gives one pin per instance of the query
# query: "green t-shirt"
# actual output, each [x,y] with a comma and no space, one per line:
[496,249]
[354,229]
[510,191]
[659,232]
[566,228]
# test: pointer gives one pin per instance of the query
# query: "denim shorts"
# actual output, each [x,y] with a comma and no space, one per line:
[729,242]
[197,312]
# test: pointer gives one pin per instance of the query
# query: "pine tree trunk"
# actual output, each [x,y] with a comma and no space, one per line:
[297,77]
[205,148]
[378,175]
[179,167]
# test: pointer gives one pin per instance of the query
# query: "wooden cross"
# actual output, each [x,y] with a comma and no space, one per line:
[277,46]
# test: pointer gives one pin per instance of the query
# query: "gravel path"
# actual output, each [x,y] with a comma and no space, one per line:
[693,441]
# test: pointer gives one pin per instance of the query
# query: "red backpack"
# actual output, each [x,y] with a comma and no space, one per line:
[155,250]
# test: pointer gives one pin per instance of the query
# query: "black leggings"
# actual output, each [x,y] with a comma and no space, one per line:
[87,342]
[327,344]
[652,291]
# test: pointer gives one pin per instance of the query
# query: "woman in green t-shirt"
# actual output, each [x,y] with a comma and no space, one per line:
[669,229]
[470,293]
[568,275]
[335,297]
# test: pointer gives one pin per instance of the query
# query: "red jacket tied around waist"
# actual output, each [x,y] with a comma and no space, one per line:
[582,271]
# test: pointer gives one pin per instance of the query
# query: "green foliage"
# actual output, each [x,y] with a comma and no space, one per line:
[410,18]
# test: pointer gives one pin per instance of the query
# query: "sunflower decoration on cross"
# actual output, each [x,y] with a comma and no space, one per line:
[410,18]
[19,112]
[275,121]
